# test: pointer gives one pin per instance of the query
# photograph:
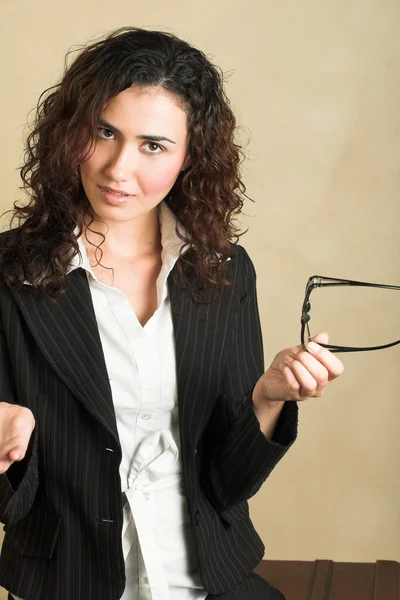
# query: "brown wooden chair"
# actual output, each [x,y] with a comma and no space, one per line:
[328,580]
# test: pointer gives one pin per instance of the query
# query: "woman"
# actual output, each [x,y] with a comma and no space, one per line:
[136,417]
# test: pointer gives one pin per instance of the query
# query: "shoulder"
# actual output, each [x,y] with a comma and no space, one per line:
[242,274]
[242,261]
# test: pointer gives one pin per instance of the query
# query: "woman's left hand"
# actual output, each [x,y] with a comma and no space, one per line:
[296,375]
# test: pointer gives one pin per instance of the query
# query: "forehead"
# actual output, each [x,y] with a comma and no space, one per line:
[152,109]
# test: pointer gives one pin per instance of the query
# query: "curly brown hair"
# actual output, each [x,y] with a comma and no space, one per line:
[206,197]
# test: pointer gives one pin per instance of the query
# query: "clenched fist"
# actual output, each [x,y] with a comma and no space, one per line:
[16,426]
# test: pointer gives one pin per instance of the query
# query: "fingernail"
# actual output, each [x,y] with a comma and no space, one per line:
[294,350]
[313,346]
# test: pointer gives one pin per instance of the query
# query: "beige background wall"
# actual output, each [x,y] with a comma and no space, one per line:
[316,86]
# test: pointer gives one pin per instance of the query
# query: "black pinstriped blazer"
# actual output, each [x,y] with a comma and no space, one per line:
[62,505]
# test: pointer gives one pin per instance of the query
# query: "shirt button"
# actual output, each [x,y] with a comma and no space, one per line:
[146,495]
[197,517]
[146,579]
[146,417]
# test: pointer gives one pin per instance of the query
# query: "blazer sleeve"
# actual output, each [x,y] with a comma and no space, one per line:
[19,483]
[242,457]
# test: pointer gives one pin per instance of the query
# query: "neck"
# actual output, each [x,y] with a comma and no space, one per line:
[124,240]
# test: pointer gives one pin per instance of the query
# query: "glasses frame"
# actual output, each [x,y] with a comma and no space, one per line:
[321,281]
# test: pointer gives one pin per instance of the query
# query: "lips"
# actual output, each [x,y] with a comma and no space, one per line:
[115,192]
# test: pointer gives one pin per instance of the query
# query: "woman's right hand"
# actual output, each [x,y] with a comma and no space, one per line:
[16,426]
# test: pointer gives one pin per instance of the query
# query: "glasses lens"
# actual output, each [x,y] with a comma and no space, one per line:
[356,316]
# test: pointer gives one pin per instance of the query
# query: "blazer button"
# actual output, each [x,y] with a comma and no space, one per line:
[197,517]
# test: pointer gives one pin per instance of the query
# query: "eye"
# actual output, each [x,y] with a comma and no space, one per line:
[160,148]
[104,130]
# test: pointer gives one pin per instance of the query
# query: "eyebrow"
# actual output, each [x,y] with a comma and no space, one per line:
[150,138]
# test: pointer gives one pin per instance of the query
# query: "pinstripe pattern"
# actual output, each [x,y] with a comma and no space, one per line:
[62,505]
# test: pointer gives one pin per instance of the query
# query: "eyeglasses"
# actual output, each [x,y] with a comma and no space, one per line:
[319,281]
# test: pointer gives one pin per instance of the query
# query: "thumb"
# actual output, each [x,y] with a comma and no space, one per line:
[321,338]
[17,453]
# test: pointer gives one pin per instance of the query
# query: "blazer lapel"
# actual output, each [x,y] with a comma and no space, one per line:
[187,317]
[67,334]
[199,331]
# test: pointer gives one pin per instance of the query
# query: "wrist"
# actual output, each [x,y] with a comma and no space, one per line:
[267,411]
[260,399]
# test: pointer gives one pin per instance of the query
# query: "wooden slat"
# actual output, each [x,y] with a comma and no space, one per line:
[321,580]
[387,580]
[292,577]
[352,581]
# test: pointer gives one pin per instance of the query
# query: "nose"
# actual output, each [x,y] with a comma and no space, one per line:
[122,164]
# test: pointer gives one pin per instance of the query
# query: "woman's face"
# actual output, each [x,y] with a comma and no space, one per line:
[127,156]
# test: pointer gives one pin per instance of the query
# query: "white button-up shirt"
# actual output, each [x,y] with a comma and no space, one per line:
[157,539]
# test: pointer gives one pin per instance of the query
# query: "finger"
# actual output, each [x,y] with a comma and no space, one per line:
[17,453]
[15,448]
[291,382]
[321,338]
[318,371]
[328,359]
[308,385]
[5,460]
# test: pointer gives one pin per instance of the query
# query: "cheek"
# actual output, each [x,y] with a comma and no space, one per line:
[91,165]
[83,168]
[86,170]
[158,180]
